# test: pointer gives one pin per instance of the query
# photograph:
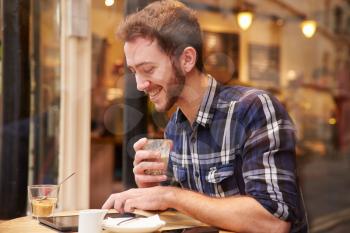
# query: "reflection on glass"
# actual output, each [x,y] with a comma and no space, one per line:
[311,77]
[107,81]
[45,90]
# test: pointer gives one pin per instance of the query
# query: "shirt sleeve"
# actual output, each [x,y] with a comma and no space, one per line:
[268,155]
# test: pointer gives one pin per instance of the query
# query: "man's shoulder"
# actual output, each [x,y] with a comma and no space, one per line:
[241,94]
[248,102]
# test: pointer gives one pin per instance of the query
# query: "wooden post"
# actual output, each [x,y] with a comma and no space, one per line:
[74,151]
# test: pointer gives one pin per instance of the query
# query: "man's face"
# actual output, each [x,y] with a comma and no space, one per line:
[154,72]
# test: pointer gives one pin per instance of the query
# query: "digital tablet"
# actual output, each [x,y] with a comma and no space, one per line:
[70,223]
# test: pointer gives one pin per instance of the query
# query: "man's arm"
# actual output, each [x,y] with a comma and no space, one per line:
[238,214]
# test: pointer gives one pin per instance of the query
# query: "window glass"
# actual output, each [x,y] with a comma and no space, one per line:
[107,100]
[45,90]
[306,64]
[297,50]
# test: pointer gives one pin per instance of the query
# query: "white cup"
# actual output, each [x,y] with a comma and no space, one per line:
[90,221]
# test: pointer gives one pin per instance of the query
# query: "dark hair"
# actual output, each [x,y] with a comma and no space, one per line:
[171,23]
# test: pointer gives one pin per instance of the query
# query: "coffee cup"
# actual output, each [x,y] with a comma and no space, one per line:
[90,221]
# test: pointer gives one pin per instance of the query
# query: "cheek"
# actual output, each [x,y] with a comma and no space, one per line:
[162,77]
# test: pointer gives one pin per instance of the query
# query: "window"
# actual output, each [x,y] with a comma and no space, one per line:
[45,90]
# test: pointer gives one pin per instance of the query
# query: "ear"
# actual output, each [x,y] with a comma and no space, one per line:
[188,59]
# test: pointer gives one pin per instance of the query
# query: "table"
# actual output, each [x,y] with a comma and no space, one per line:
[173,219]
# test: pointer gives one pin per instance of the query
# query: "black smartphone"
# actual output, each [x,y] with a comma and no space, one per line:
[70,223]
[201,229]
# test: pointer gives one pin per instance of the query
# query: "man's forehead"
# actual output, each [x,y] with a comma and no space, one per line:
[140,50]
[141,40]
[138,44]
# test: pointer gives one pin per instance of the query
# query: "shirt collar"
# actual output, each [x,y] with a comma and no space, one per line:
[207,107]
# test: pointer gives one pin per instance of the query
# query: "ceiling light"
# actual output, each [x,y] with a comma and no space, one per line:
[245,19]
[309,28]
[109,2]
[332,121]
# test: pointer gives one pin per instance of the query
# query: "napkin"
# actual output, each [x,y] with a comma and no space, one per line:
[149,222]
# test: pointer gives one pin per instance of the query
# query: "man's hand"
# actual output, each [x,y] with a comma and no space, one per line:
[236,213]
[154,198]
[147,160]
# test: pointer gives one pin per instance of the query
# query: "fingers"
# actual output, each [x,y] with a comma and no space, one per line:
[143,180]
[117,200]
[147,160]
[141,167]
[140,144]
[148,199]
[130,205]
[146,180]
[142,155]
[109,203]
[144,199]
[119,204]
[141,203]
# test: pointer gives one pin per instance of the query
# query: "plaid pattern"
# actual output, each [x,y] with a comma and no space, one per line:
[242,142]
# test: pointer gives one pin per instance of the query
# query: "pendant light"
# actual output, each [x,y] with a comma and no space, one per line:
[309,28]
[245,19]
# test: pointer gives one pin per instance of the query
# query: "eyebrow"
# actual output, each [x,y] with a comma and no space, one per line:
[141,64]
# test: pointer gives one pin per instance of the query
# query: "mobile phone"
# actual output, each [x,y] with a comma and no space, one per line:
[201,229]
[70,223]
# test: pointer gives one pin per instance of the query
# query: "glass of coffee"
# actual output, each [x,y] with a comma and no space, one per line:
[43,199]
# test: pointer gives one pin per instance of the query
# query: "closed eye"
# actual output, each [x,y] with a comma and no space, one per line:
[148,70]
[132,70]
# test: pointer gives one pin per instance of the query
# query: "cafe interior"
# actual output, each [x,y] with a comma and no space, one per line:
[79,111]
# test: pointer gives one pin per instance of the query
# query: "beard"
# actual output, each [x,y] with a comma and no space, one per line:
[174,89]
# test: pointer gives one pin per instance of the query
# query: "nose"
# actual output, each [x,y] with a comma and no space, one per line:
[141,83]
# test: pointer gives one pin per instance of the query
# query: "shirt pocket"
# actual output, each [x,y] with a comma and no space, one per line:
[219,173]
[220,181]
[180,175]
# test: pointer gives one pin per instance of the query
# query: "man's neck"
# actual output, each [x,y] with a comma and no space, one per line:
[192,95]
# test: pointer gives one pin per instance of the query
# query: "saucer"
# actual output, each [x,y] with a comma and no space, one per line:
[145,225]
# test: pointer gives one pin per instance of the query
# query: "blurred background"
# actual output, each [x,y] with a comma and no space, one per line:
[67,103]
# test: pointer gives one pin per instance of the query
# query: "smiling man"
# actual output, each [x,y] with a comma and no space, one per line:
[233,152]
[151,69]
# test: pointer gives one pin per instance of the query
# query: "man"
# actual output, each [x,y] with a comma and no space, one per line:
[233,147]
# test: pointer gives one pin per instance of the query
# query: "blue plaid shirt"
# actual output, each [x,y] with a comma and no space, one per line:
[242,143]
